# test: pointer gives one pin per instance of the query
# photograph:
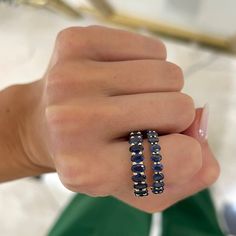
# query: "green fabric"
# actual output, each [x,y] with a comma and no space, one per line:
[194,216]
[101,216]
[107,216]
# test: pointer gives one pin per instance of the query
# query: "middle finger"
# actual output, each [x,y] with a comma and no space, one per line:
[167,112]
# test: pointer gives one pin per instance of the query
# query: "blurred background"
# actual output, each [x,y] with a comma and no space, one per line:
[200,37]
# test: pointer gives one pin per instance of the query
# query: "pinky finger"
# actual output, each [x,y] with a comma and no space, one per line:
[207,175]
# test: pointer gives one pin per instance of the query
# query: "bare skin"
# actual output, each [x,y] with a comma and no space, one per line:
[76,119]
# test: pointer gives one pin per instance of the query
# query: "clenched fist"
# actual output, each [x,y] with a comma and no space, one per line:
[100,85]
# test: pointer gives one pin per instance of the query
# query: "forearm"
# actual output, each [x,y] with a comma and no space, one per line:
[15,107]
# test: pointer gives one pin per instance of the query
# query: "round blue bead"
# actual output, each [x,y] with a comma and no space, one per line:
[136,148]
[135,140]
[158,177]
[138,178]
[157,167]
[158,184]
[153,139]
[140,186]
[155,148]
[156,157]
[138,168]
[151,134]
[137,158]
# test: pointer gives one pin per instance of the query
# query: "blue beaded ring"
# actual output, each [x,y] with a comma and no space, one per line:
[138,168]
[158,177]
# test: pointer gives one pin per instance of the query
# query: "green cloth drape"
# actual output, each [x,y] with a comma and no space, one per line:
[107,216]
[194,216]
[101,216]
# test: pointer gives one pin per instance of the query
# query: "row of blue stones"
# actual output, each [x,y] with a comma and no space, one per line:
[158,183]
[138,168]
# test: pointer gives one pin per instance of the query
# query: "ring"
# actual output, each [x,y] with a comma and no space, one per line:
[138,167]
[158,177]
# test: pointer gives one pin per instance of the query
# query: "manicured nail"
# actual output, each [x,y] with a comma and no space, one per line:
[203,125]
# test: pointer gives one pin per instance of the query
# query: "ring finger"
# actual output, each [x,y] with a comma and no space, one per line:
[112,166]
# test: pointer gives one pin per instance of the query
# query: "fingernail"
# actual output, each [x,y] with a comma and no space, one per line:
[203,125]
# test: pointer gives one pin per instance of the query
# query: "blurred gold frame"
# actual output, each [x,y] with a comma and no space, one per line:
[104,12]
[228,44]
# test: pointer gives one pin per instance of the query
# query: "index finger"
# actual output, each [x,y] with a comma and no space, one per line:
[105,44]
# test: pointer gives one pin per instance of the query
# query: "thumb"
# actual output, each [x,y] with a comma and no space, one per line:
[198,130]
[199,127]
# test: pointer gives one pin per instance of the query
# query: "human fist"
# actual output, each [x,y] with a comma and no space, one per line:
[100,85]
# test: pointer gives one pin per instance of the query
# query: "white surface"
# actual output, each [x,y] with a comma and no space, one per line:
[214,17]
[29,207]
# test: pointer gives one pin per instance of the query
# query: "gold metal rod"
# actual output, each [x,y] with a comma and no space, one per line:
[63,7]
[103,7]
[55,5]
[159,27]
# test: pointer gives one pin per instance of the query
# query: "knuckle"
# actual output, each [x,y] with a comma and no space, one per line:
[162,49]
[54,115]
[186,110]
[57,117]
[65,120]
[63,83]
[176,74]
[55,73]
[66,72]
[75,118]
[153,45]
[66,38]
[65,35]
[100,114]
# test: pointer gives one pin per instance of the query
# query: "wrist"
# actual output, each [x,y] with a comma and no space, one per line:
[32,128]
[17,144]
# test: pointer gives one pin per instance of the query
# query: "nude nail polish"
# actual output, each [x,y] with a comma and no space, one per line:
[203,125]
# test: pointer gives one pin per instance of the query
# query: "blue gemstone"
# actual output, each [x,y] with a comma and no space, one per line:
[158,191]
[158,177]
[136,148]
[153,139]
[140,186]
[151,134]
[137,158]
[157,167]
[135,140]
[155,148]
[138,178]
[156,157]
[141,193]
[158,184]
[138,168]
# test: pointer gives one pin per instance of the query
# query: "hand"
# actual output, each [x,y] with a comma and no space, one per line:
[101,84]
